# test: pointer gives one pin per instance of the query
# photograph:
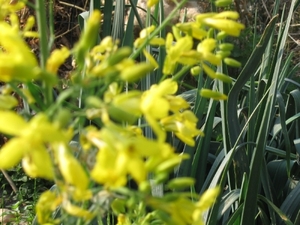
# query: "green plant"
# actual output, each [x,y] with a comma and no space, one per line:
[130,133]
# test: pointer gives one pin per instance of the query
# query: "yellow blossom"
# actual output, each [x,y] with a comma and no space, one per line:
[206,201]
[8,102]
[77,211]
[151,3]
[184,125]
[17,61]
[47,203]
[29,142]
[37,163]
[154,104]
[7,8]
[56,59]
[230,27]
[121,152]
[71,170]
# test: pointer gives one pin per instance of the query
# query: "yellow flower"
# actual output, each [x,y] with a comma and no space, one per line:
[175,51]
[37,163]
[8,102]
[177,211]
[77,211]
[151,3]
[184,125]
[192,29]
[154,105]
[121,152]
[7,8]
[70,168]
[206,201]
[56,59]
[47,203]
[89,36]
[154,102]
[17,61]
[30,142]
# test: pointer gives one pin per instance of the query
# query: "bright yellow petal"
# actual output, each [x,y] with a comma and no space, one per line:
[11,123]
[37,163]
[71,169]
[12,153]
[77,211]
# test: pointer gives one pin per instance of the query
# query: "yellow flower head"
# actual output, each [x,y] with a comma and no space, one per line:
[6,7]
[56,59]
[17,62]
[29,143]
[184,125]
[151,3]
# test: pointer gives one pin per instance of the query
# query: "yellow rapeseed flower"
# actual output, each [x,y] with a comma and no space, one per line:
[29,143]
[184,126]
[56,59]
[206,201]
[6,7]
[17,62]
[155,105]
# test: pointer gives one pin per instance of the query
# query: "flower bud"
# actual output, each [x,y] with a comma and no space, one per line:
[180,183]
[195,70]
[221,35]
[223,54]
[134,73]
[223,3]
[226,46]
[223,77]
[207,93]
[232,62]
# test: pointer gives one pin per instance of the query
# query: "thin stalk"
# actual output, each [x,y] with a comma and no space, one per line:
[43,44]
[10,181]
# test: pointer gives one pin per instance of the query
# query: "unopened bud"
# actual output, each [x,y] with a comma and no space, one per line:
[232,62]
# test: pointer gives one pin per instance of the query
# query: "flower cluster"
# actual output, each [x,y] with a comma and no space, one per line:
[117,116]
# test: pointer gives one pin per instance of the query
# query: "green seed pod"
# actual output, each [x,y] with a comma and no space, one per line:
[176,33]
[169,164]
[180,183]
[121,115]
[226,47]
[221,35]
[63,117]
[195,70]
[207,93]
[223,3]
[161,177]
[210,33]
[118,56]
[232,62]
[223,54]
[145,187]
[223,77]
[136,72]
[118,206]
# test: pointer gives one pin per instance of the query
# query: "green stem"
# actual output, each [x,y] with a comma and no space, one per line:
[44,48]
[180,73]
[158,29]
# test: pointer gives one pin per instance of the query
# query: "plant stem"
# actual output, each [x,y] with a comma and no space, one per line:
[43,44]
[9,180]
